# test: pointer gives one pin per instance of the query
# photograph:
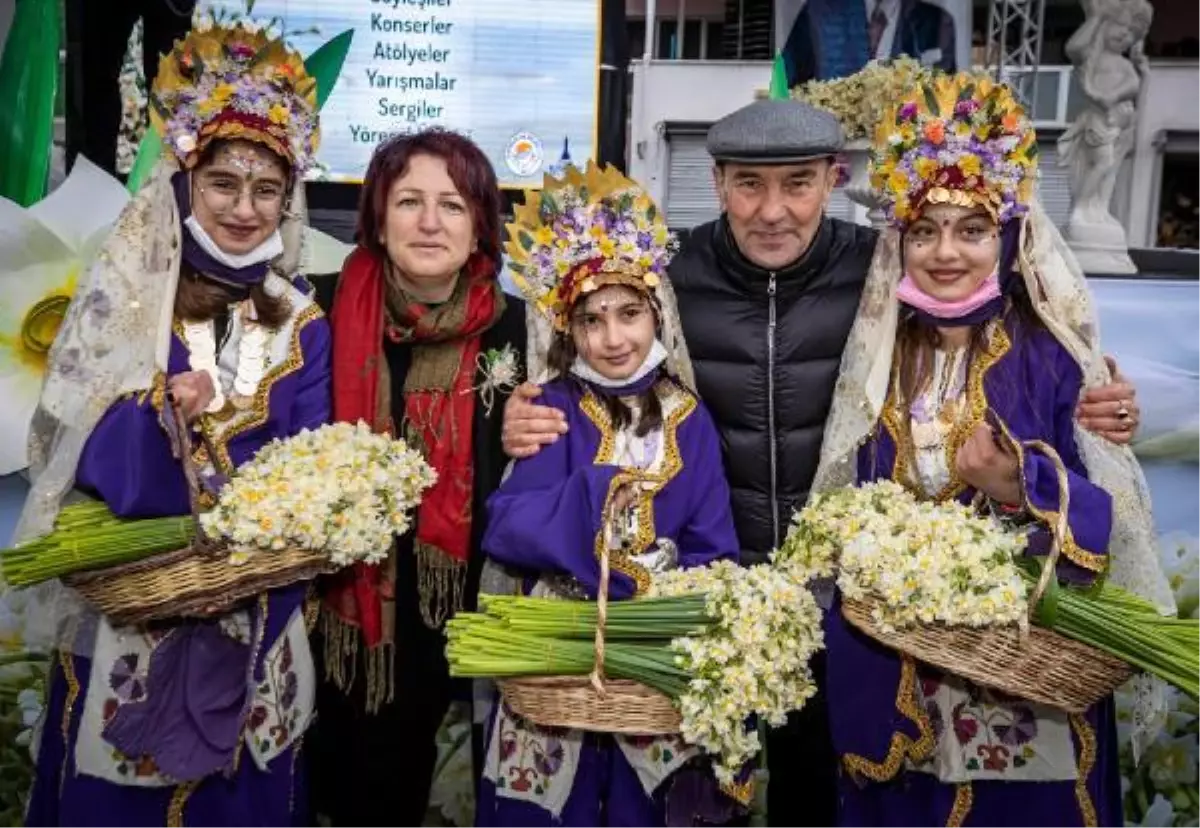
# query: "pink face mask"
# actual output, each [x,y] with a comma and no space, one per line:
[911,295]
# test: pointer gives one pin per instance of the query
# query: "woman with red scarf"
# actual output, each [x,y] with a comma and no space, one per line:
[426,347]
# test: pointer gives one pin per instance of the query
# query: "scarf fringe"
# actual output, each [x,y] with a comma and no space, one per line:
[343,641]
[441,582]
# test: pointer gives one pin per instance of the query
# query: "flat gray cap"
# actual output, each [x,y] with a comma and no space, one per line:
[775,132]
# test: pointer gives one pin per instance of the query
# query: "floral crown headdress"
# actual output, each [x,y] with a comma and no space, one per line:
[235,82]
[960,139]
[583,231]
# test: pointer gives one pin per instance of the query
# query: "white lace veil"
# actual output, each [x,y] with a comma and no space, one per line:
[114,340]
[1062,300]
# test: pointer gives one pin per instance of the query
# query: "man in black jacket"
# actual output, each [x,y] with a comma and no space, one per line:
[767,295]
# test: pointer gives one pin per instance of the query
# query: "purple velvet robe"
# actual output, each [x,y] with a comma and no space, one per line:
[1031,385]
[194,710]
[544,520]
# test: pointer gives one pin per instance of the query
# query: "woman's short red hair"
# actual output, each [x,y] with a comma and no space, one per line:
[471,173]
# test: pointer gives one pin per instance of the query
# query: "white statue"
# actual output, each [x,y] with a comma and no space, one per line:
[1111,67]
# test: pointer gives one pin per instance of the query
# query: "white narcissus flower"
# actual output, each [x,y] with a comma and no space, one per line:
[43,253]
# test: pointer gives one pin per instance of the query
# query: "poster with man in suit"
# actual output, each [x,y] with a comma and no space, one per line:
[823,39]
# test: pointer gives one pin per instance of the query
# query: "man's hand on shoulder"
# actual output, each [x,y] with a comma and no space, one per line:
[1111,410]
[527,427]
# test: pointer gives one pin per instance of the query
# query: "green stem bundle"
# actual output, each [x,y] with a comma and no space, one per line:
[515,636]
[1129,627]
[88,536]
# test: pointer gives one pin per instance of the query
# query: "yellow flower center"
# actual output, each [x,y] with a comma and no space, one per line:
[38,329]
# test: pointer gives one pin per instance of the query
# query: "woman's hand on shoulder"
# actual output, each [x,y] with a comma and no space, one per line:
[192,391]
[527,427]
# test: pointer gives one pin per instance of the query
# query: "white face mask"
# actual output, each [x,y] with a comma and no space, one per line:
[271,247]
[656,357]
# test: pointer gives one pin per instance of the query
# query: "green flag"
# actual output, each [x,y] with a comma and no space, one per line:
[325,64]
[779,84]
[28,83]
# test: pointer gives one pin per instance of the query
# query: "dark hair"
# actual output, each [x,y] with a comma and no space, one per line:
[468,168]
[562,355]
[199,299]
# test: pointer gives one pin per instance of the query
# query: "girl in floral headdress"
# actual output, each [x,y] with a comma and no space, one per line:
[193,303]
[639,468]
[978,314]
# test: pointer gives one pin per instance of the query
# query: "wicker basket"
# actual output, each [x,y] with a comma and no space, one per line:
[1038,664]
[197,581]
[592,702]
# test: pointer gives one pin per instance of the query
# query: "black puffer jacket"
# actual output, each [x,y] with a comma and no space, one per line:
[766,348]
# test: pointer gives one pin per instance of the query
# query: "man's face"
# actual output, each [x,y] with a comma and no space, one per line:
[774,210]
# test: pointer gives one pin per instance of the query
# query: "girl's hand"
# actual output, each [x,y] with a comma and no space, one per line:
[192,391]
[990,467]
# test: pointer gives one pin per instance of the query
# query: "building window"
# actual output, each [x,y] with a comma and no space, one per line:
[703,39]
[1179,201]
[670,46]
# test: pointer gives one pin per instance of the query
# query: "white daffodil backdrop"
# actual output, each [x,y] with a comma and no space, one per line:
[43,252]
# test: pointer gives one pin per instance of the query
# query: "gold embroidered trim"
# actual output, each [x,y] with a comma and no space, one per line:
[740,793]
[67,664]
[1070,547]
[1087,761]
[156,393]
[257,411]
[964,798]
[902,745]
[898,426]
[178,801]
[684,405]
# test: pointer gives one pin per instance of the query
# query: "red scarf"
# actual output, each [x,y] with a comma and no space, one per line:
[438,419]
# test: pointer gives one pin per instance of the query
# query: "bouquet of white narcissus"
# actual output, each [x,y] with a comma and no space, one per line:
[341,489]
[724,642]
[925,561]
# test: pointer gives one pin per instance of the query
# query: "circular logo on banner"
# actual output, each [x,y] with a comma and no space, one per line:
[524,155]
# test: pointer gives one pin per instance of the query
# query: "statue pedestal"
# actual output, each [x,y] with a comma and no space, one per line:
[1099,245]
[858,189]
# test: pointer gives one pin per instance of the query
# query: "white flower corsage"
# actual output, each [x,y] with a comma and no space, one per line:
[501,372]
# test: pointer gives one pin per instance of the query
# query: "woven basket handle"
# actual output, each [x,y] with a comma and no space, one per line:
[179,432]
[1058,531]
[597,676]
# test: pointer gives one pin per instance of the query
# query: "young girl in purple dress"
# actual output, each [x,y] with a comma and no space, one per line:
[639,470]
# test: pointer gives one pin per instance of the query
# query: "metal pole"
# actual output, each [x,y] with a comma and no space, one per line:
[651,30]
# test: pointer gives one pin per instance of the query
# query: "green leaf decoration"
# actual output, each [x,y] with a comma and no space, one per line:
[931,100]
[967,92]
[28,84]
[1031,152]
[652,213]
[778,90]
[525,240]
[324,65]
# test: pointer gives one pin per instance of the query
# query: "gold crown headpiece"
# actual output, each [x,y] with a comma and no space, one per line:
[235,82]
[960,139]
[583,231]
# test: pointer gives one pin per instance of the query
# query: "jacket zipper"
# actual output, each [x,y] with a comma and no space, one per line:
[771,408]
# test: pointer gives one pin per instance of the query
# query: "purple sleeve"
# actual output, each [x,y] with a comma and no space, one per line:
[313,405]
[545,517]
[708,533]
[1090,510]
[127,462]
